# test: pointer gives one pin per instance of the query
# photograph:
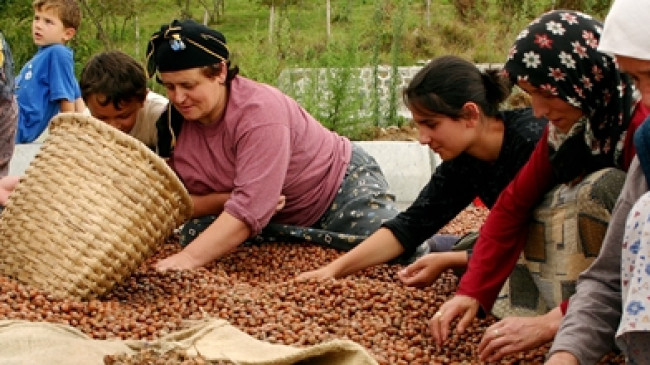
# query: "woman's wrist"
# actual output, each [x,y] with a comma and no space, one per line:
[562,357]
[552,320]
[339,267]
[456,259]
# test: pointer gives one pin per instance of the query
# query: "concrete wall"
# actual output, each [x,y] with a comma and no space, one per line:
[406,165]
[23,155]
[300,82]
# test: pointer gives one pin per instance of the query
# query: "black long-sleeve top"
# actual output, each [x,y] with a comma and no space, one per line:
[455,183]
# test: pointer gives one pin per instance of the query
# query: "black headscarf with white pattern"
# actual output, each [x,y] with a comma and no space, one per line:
[558,53]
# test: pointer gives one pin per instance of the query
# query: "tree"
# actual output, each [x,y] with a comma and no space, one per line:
[329,19]
[96,20]
[185,11]
[112,18]
[272,7]
[428,11]
[214,10]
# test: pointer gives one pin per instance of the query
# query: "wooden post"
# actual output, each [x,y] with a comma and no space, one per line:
[328,11]
[271,21]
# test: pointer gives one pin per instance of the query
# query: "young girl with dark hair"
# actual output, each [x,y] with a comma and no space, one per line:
[456,109]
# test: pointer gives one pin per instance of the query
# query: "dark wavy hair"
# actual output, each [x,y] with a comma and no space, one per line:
[446,83]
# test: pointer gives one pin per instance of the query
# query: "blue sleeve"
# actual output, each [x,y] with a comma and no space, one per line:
[63,83]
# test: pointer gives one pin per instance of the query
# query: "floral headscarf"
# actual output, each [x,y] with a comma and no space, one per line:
[558,52]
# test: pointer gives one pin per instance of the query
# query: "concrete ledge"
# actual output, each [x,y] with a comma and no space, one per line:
[23,155]
[407,165]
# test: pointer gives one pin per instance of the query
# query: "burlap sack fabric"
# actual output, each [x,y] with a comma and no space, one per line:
[24,342]
[89,210]
[565,237]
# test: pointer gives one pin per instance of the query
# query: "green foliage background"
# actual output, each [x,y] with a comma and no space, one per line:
[363,33]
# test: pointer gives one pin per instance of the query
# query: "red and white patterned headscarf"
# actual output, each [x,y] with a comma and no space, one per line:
[558,53]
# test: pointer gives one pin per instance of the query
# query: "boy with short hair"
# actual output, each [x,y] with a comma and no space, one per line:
[8,107]
[46,84]
[114,88]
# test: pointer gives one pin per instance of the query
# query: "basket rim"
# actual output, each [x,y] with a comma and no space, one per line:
[128,140]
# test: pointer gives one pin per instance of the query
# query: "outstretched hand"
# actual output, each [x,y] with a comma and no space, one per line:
[458,306]
[426,270]
[515,334]
[179,261]
[320,274]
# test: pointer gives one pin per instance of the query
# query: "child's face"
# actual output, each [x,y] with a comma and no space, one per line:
[47,28]
[123,118]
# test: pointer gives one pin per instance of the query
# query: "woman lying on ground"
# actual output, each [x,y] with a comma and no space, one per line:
[455,107]
[244,145]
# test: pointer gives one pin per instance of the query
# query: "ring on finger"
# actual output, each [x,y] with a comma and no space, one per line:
[438,314]
[497,333]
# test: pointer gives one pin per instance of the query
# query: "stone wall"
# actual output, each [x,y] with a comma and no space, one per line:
[299,82]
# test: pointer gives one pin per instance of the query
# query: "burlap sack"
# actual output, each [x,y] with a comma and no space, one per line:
[565,237]
[30,343]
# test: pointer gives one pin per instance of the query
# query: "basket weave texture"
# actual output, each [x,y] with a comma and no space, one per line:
[91,207]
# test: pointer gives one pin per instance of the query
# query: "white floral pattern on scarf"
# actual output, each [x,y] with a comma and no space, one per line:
[558,53]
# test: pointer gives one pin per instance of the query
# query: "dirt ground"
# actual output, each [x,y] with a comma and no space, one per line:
[395,133]
[409,132]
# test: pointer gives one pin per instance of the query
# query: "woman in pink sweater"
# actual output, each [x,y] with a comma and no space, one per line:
[243,146]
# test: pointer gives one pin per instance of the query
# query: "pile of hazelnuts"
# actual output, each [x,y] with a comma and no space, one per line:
[254,289]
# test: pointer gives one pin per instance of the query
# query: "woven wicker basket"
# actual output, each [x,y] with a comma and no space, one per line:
[92,206]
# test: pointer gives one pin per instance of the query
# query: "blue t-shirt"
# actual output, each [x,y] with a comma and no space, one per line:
[45,80]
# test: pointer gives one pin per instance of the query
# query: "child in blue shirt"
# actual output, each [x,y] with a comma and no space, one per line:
[46,84]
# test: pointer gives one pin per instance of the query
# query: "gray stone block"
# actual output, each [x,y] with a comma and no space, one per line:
[23,155]
[407,165]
